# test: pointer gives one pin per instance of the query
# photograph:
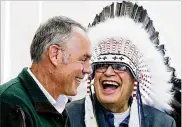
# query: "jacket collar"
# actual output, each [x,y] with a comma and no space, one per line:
[40,102]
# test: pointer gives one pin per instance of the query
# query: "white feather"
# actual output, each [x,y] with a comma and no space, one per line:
[134,121]
[90,120]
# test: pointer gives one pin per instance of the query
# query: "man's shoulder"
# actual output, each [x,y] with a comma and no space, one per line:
[13,92]
[76,108]
[7,87]
[148,109]
[157,115]
[76,113]
[78,104]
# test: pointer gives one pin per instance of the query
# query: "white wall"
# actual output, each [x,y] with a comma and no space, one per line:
[20,19]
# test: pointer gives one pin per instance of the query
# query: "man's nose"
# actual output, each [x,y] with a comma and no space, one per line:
[109,71]
[87,68]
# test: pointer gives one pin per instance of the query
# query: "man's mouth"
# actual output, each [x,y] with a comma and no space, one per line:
[79,79]
[110,85]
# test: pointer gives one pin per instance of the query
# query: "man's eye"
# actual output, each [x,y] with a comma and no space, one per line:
[84,59]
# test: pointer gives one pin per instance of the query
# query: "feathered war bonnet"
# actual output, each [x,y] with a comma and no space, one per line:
[124,33]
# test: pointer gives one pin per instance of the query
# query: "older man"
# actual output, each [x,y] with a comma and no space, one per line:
[130,78]
[60,53]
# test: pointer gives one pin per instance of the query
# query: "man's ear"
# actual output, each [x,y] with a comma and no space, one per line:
[55,54]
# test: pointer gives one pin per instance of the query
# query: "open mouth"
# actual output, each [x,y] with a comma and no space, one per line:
[110,85]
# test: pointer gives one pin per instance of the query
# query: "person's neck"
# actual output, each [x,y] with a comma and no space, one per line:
[116,108]
[43,75]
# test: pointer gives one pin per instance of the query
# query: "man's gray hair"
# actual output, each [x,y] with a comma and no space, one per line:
[56,30]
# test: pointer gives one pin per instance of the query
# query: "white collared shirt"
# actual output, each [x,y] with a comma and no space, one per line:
[58,104]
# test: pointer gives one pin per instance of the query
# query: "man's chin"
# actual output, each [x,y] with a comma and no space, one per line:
[74,93]
[108,100]
[71,93]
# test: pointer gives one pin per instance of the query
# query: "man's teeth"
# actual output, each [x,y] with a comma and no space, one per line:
[110,83]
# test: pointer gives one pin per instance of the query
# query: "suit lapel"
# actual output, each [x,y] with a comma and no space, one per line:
[146,117]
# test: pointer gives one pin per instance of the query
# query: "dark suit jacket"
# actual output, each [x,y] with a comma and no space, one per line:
[153,117]
[23,103]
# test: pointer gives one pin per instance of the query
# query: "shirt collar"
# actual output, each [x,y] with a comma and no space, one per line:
[110,117]
[123,114]
[121,118]
[61,103]
[61,100]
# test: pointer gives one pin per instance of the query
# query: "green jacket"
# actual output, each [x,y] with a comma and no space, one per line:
[22,103]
